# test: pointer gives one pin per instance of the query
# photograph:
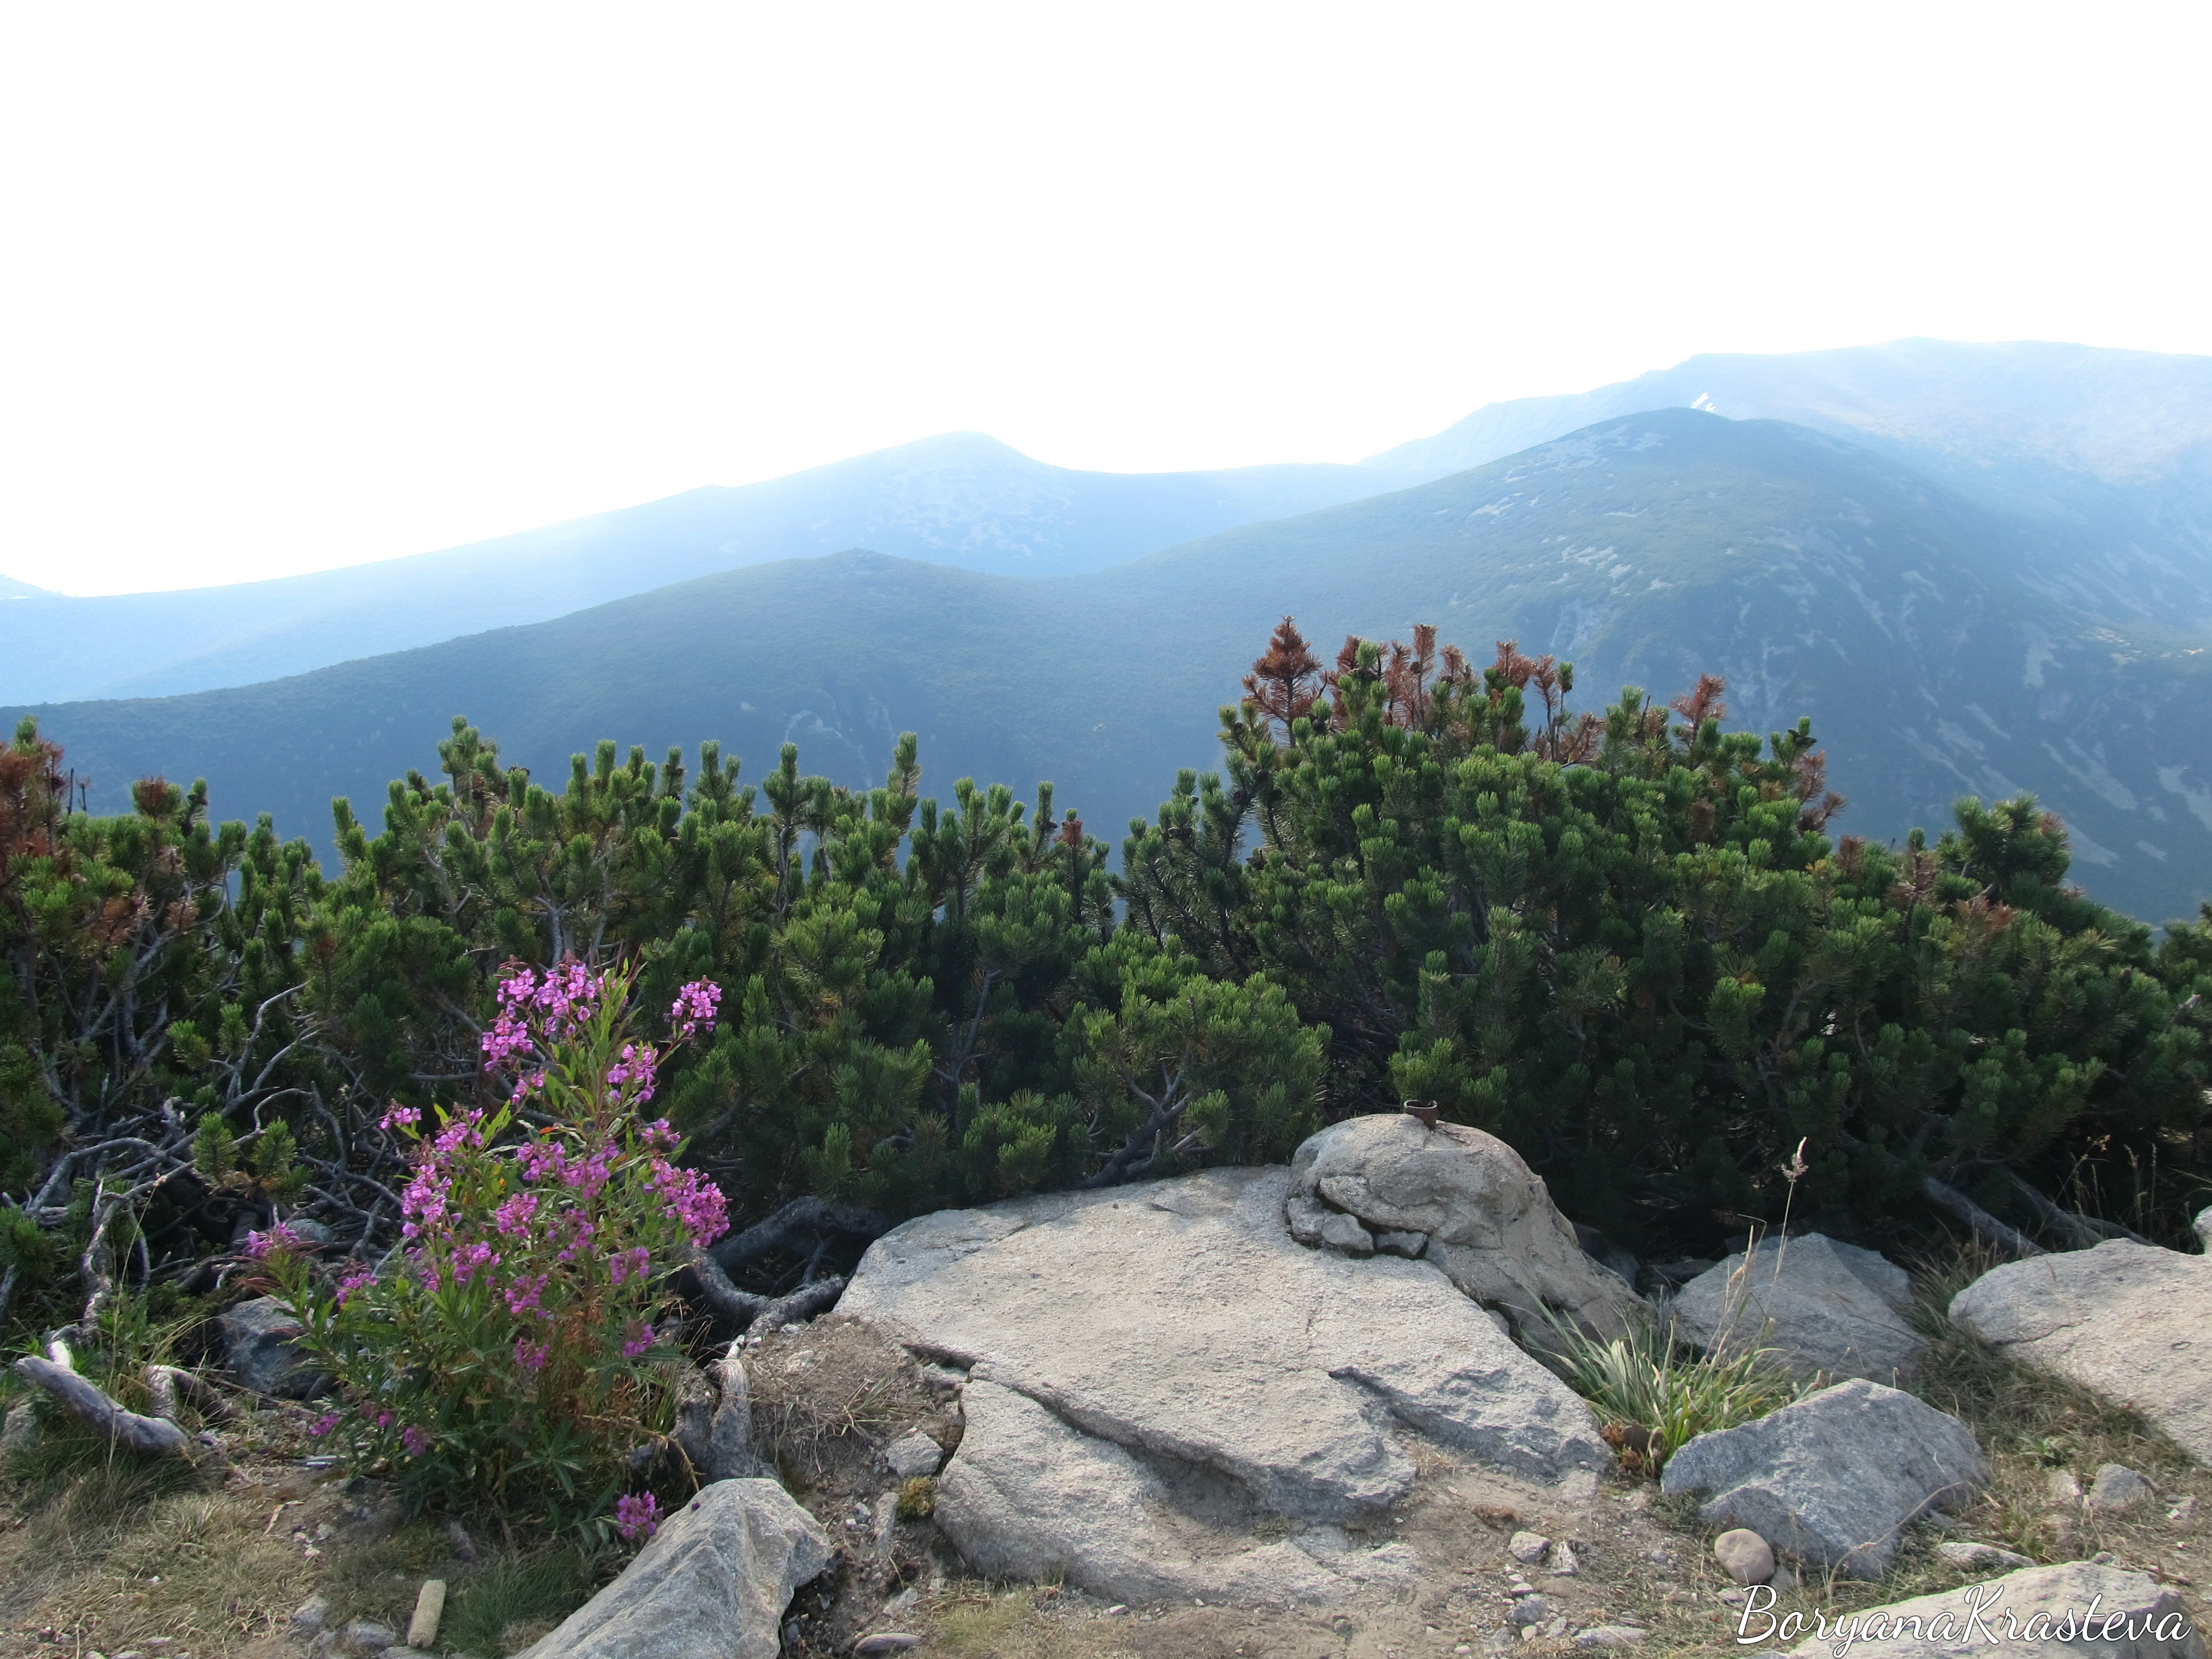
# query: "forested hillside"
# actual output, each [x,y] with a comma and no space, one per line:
[1917,630]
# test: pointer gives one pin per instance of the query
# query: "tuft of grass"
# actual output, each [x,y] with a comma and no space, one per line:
[981,1627]
[70,1460]
[515,1596]
[1655,1394]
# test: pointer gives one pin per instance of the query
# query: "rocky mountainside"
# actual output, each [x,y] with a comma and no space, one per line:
[1916,627]
[962,500]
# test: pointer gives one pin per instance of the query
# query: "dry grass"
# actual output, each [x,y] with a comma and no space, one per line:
[825,1396]
[104,1564]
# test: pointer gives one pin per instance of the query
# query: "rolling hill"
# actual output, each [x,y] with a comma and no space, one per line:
[963,499]
[1821,577]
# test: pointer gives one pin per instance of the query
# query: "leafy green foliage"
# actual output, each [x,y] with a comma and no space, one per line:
[1653,1396]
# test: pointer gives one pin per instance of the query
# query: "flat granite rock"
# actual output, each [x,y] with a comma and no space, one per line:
[2022,1615]
[1834,1478]
[1179,1321]
[2130,1322]
[1826,1308]
[1029,1498]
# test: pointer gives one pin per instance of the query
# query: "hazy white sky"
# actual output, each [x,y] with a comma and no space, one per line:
[291,285]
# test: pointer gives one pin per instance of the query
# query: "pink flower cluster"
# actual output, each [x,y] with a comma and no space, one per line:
[637,1517]
[634,1073]
[694,1007]
[536,1011]
[279,1238]
[692,1199]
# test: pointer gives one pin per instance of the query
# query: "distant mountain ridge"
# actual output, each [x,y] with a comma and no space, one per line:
[2102,459]
[962,499]
[2109,452]
[1823,578]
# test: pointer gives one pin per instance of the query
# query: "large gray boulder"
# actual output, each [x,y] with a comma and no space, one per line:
[2204,1225]
[712,1583]
[2022,1615]
[1183,1361]
[1489,1221]
[260,1344]
[1834,1478]
[2131,1322]
[1827,1308]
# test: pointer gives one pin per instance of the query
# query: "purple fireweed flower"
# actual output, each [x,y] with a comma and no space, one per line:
[634,1071]
[522,1295]
[512,1217]
[694,1007]
[591,1174]
[400,1117]
[659,1135]
[354,1277]
[531,1356]
[416,1438]
[639,1340]
[542,1160]
[279,1238]
[469,1258]
[692,1199]
[629,1264]
[637,1517]
[323,1424]
[384,1420]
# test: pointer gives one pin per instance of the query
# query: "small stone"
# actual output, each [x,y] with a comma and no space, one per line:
[1735,1598]
[1784,1582]
[311,1615]
[2183,1512]
[889,1641]
[905,1599]
[1611,1636]
[1528,1548]
[1556,1628]
[1561,1563]
[1744,1556]
[912,1455]
[2060,1487]
[21,1431]
[1635,1503]
[1409,1245]
[1971,1557]
[1343,1232]
[429,1609]
[1117,1611]
[2204,1225]
[2118,1489]
[366,1636]
[1530,1611]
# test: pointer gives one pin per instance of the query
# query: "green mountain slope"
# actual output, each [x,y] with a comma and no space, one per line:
[1821,578]
[2108,452]
[962,499]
